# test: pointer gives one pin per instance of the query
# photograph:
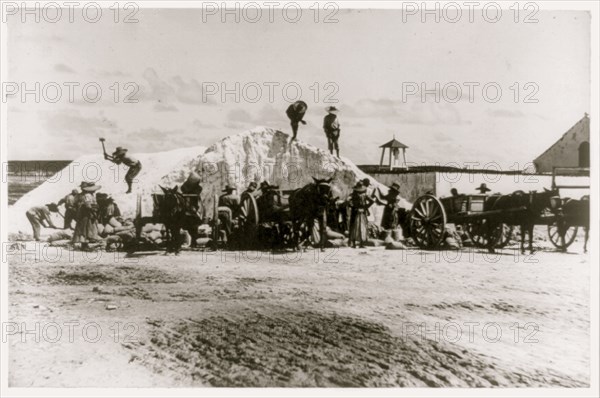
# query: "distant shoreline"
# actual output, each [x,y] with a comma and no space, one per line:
[24,176]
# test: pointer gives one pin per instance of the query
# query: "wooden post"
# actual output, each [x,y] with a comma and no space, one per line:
[382,153]
[404,158]
[390,158]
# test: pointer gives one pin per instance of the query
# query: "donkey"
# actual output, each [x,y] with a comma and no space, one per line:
[577,212]
[533,205]
[176,214]
[307,204]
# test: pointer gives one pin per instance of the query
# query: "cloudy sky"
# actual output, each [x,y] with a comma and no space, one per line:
[367,61]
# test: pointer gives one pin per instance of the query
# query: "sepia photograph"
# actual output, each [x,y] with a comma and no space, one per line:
[290,198]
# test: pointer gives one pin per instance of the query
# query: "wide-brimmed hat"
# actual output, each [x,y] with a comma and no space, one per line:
[395,187]
[359,187]
[266,185]
[483,188]
[119,151]
[332,109]
[366,182]
[89,186]
[228,188]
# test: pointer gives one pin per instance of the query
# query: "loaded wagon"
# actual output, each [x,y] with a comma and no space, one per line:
[192,201]
[489,224]
[261,220]
[430,215]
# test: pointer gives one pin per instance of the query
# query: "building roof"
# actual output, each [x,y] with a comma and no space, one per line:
[393,144]
[584,119]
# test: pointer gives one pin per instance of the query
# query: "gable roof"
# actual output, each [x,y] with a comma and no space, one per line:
[584,119]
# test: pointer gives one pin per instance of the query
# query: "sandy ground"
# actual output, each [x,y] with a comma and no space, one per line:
[340,318]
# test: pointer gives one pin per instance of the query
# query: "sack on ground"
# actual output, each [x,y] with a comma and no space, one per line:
[374,242]
[60,235]
[393,245]
[337,243]
[331,234]
[108,229]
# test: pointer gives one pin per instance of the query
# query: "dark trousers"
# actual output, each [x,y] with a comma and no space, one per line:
[294,129]
[332,140]
[70,215]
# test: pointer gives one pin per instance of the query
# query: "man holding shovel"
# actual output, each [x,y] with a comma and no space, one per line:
[120,156]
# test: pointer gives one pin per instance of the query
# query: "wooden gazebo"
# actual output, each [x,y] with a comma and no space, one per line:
[394,147]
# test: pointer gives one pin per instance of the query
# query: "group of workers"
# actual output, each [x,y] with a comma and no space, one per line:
[94,213]
[361,199]
[359,202]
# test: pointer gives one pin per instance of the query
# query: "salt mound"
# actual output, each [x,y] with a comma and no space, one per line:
[255,155]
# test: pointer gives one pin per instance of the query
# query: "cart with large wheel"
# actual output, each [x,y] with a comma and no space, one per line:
[235,226]
[258,222]
[430,215]
[192,201]
[568,214]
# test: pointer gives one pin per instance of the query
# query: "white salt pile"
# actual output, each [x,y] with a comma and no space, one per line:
[255,155]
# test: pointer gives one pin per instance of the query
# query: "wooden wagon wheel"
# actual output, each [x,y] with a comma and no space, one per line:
[478,233]
[505,237]
[318,237]
[215,228]
[427,222]
[248,217]
[137,222]
[561,235]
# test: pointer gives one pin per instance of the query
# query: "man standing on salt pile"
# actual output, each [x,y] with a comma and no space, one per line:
[120,156]
[86,227]
[39,216]
[70,202]
[296,113]
[331,125]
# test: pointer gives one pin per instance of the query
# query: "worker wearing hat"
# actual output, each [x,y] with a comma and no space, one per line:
[483,188]
[331,125]
[86,227]
[120,156]
[296,113]
[108,208]
[359,204]
[251,190]
[391,202]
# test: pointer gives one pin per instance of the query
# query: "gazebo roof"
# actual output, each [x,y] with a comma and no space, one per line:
[393,144]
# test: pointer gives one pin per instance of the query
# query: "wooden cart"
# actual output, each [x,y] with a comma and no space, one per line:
[429,216]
